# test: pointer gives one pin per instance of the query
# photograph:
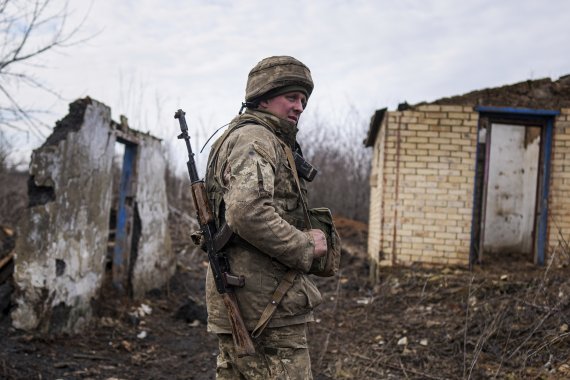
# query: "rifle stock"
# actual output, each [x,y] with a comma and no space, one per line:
[242,339]
[225,281]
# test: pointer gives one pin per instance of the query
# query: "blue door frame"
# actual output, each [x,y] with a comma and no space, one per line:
[525,115]
[121,254]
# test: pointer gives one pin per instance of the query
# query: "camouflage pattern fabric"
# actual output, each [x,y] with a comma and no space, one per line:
[282,354]
[277,72]
[250,184]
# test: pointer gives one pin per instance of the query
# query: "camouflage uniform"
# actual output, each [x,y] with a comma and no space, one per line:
[281,353]
[251,186]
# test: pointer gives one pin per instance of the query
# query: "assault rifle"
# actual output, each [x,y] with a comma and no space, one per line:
[214,239]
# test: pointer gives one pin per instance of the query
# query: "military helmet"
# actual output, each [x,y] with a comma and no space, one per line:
[272,75]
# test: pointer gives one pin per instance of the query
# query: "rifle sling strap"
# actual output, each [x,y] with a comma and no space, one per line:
[291,160]
[282,288]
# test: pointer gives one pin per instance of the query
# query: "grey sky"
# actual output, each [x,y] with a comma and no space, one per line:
[152,57]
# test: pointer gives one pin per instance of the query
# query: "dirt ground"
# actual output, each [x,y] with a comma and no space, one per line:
[508,320]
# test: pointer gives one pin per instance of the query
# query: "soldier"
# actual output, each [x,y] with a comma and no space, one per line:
[251,185]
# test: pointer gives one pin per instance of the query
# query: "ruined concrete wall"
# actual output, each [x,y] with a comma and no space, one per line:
[62,246]
[155,262]
[62,239]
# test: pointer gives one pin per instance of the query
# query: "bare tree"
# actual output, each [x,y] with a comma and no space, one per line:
[335,148]
[13,197]
[28,30]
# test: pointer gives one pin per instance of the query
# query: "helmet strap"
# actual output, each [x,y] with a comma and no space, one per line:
[250,105]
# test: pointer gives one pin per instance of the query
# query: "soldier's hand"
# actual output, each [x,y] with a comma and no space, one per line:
[320,242]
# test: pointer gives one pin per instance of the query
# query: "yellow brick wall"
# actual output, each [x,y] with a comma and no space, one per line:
[559,201]
[421,206]
[376,198]
[422,186]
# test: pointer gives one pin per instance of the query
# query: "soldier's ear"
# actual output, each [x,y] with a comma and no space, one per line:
[263,104]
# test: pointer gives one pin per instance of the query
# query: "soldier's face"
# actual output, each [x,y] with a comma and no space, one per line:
[288,106]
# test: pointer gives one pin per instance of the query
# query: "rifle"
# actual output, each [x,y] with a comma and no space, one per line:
[224,280]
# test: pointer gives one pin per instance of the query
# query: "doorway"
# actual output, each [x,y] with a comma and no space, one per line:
[510,205]
[510,201]
[124,222]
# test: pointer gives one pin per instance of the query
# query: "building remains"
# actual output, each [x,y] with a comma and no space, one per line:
[474,178]
[85,228]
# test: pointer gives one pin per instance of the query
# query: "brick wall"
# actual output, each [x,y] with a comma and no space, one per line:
[422,185]
[375,232]
[559,202]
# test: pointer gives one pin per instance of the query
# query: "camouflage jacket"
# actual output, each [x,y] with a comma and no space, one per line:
[251,186]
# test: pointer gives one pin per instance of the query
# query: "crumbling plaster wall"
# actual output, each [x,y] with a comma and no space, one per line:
[155,262]
[62,241]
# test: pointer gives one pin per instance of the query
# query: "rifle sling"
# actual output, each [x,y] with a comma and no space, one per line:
[222,237]
[282,288]
[291,160]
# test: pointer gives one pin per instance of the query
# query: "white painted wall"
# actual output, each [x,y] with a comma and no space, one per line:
[511,191]
[71,231]
[155,262]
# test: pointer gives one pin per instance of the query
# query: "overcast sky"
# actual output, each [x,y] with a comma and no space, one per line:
[148,58]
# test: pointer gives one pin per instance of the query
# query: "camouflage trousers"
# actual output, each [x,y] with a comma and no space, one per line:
[281,354]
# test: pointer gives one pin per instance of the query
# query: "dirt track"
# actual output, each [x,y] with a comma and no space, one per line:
[506,321]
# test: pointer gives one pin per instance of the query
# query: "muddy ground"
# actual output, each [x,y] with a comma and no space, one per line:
[506,320]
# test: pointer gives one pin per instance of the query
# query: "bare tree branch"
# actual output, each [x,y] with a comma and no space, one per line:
[335,149]
[29,30]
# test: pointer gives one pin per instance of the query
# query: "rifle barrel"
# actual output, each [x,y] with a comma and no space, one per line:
[191,163]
